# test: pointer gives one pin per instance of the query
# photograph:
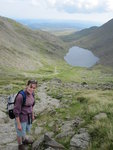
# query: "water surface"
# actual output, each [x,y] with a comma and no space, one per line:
[80,57]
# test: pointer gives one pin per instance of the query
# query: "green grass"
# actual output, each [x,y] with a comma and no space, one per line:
[85,103]
[46,56]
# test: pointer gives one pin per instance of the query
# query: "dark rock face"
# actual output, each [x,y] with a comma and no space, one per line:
[49,142]
[46,142]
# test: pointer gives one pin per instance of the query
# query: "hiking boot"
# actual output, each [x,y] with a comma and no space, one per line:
[26,141]
[21,147]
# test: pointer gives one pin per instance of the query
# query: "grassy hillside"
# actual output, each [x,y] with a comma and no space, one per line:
[24,49]
[78,35]
[83,92]
[99,40]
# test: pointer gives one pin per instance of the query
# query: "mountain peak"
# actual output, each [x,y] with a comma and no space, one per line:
[108,24]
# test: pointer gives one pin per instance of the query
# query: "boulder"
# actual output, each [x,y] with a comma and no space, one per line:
[50,148]
[68,128]
[49,142]
[100,116]
[38,144]
[80,141]
[7,138]
[65,134]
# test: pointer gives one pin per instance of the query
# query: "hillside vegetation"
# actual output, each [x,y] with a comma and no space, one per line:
[84,94]
[97,39]
[78,35]
[24,49]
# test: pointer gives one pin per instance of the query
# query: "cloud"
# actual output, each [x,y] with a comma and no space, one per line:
[95,10]
[70,6]
[14,1]
[76,6]
[38,3]
[109,5]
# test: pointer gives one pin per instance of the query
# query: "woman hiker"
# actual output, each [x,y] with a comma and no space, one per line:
[24,114]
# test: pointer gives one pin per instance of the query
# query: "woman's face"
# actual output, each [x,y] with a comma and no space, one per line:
[31,88]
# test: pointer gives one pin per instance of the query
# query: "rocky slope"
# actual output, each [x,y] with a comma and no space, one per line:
[45,105]
[43,137]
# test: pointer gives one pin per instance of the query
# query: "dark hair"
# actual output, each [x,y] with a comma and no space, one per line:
[32,82]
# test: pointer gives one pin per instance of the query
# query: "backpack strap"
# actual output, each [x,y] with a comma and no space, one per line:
[24,96]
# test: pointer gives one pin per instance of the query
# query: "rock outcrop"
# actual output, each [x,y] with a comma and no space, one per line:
[46,104]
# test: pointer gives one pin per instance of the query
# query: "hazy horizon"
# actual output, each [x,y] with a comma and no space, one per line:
[57,24]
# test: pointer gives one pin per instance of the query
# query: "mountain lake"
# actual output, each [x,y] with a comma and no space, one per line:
[80,57]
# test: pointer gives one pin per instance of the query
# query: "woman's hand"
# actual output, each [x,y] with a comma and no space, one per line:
[18,124]
[19,127]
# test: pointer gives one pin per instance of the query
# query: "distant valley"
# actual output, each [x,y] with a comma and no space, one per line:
[56,24]
[98,39]
[18,43]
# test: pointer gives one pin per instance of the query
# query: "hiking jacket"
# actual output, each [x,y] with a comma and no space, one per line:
[23,111]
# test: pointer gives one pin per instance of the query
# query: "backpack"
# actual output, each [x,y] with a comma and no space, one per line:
[11,103]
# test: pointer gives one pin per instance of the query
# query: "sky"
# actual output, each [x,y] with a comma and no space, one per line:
[86,10]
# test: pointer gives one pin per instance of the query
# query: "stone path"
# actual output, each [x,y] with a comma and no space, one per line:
[7,128]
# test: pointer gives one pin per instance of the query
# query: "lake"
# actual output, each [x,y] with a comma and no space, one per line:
[80,57]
